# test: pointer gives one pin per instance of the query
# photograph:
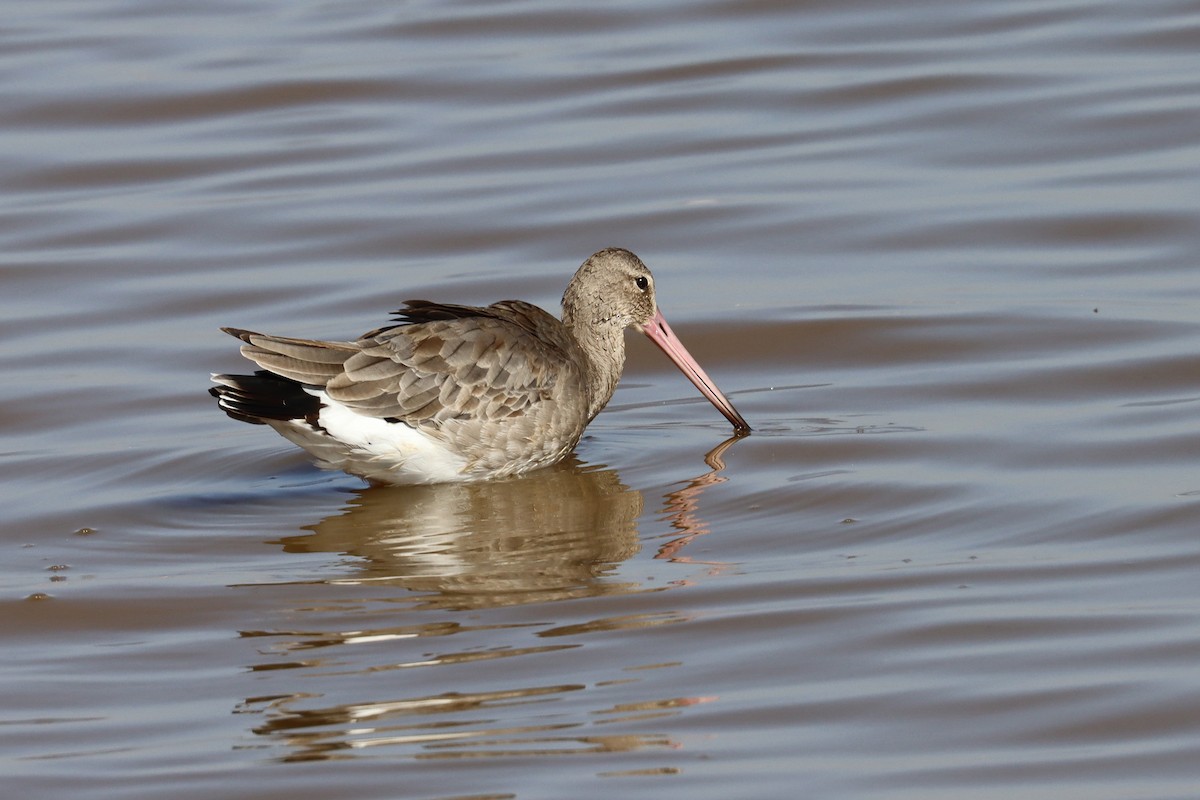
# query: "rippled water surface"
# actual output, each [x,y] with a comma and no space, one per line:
[942,255]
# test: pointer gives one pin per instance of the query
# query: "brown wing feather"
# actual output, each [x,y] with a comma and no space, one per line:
[443,362]
[459,362]
[303,360]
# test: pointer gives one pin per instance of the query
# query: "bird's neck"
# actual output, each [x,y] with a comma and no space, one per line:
[603,346]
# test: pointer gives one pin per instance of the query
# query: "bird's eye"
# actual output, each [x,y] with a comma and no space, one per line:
[641,282]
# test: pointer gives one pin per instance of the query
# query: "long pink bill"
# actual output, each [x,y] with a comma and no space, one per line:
[661,334]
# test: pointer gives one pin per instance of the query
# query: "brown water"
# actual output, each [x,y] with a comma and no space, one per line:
[942,255]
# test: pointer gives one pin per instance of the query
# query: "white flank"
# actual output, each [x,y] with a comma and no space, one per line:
[390,452]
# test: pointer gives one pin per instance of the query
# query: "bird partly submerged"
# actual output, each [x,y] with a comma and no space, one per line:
[460,393]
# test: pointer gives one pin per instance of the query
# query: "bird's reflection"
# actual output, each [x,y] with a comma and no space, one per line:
[546,536]
[557,534]
[683,505]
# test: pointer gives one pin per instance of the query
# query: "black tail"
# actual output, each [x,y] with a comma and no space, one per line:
[264,396]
